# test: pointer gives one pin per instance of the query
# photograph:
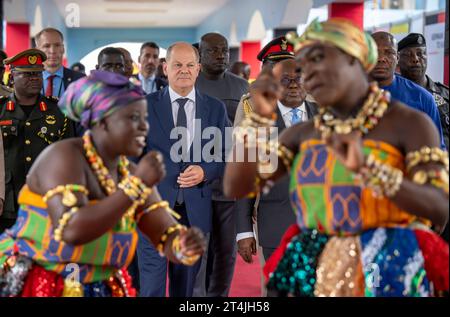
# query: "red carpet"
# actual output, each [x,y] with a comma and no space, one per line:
[247,278]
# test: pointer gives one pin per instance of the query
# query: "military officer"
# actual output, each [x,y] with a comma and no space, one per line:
[275,51]
[29,123]
[413,65]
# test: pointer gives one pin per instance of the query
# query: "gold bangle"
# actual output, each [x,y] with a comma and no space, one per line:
[63,222]
[262,121]
[176,249]
[68,198]
[171,229]
[384,180]
[161,204]
[436,178]
[426,154]
[135,189]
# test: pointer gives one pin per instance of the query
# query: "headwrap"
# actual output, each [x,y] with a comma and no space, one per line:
[342,34]
[90,99]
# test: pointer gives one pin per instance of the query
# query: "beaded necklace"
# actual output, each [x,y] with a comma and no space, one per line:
[103,176]
[366,119]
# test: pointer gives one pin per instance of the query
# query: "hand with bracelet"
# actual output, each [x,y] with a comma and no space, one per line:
[429,172]
[173,240]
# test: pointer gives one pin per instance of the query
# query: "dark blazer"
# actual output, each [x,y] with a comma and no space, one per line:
[212,113]
[70,76]
[275,213]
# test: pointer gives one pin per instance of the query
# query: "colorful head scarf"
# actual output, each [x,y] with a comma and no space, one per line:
[92,98]
[342,34]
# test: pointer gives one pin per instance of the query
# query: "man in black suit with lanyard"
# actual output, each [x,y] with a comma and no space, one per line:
[56,76]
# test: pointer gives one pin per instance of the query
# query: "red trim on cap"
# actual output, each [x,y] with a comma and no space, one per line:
[10,105]
[27,60]
[43,106]
[6,122]
[277,48]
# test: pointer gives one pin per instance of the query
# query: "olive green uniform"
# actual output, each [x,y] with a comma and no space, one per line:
[24,138]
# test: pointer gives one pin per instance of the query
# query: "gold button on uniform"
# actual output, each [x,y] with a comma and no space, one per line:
[28,159]
[27,124]
[27,142]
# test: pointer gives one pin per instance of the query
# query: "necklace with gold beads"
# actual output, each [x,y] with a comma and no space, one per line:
[103,176]
[366,119]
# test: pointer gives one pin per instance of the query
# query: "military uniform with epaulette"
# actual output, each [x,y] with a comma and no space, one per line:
[440,95]
[27,131]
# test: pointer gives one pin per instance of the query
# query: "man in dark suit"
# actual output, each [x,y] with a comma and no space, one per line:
[149,62]
[274,212]
[56,76]
[214,80]
[191,166]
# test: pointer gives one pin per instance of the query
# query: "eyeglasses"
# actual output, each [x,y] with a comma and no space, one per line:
[286,81]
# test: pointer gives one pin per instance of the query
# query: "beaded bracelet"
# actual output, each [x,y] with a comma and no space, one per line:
[184,259]
[63,222]
[171,229]
[426,154]
[259,120]
[383,179]
[135,189]
[68,198]
[437,178]
[160,204]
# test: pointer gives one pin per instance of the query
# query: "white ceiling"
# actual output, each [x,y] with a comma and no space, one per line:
[140,13]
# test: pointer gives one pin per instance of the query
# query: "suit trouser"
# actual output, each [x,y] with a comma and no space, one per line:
[217,269]
[153,269]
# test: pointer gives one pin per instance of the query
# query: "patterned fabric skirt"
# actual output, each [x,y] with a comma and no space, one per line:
[21,277]
[385,262]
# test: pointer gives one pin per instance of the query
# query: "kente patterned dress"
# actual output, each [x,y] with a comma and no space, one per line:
[33,263]
[348,242]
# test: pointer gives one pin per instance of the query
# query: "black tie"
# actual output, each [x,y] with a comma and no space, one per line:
[181,122]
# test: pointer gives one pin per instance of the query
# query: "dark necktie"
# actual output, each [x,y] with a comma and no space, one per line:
[182,122]
[49,89]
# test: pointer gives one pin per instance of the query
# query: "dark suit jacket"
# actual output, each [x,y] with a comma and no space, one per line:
[275,213]
[69,76]
[212,113]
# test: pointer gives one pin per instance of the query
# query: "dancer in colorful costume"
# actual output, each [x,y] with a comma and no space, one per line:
[83,201]
[368,178]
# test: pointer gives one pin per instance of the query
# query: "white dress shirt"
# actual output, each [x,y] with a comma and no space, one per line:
[189,108]
[286,113]
[148,84]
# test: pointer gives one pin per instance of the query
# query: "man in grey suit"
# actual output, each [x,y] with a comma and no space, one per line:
[274,212]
